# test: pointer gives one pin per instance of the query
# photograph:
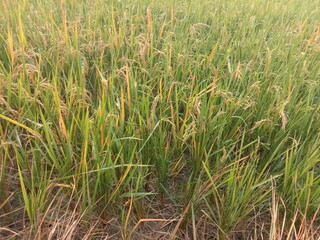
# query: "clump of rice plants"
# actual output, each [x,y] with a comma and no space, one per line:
[138,119]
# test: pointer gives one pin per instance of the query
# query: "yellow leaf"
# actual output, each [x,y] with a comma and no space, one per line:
[33,132]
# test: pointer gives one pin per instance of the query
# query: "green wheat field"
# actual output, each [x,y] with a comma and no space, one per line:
[160,119]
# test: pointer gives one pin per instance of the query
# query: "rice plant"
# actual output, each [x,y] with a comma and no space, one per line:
[136,119]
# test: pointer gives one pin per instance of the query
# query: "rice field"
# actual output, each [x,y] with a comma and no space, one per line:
[167,119]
